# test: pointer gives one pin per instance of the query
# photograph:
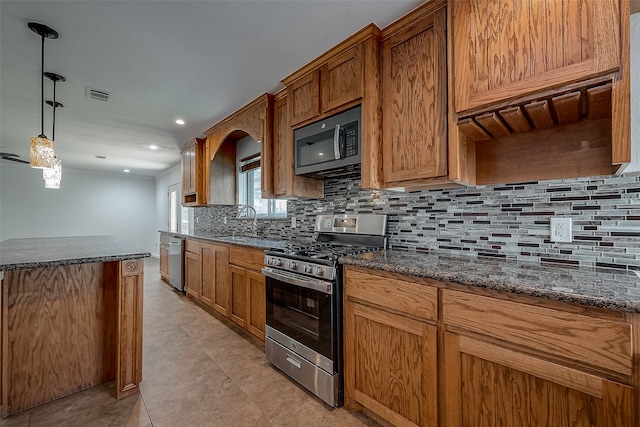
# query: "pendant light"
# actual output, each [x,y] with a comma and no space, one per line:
[53,175]
[41,148]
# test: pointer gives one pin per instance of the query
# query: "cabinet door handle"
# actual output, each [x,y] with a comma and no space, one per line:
[336,142]
[293,361]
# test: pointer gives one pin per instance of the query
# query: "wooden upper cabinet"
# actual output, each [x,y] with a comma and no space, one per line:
[188,158]
[282,141]
[503,50]
[336,83]
[540,89]
[193,173]
[335,80]
[285,183]
[341,79]
[304,95]
[414,93]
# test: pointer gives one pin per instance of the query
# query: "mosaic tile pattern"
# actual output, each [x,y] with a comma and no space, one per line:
[508,221]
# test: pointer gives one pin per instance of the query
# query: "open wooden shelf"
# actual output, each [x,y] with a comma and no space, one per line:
[565,134]
[589,102]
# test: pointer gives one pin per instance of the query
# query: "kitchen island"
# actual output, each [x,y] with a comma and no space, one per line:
[71,318]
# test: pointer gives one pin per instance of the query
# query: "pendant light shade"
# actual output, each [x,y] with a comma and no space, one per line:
[41,152]
[53,175]
[41,148]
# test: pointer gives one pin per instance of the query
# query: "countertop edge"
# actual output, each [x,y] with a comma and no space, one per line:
[507,286]
[72,261]
[224,240]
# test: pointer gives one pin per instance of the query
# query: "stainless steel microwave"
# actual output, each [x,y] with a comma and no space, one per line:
[329,144]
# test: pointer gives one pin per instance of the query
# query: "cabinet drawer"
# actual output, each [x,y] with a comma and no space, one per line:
[396,294]
[192,246]
[250,258]
[599,342]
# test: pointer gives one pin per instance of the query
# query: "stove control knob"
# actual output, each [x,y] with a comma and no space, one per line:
[307,268]
[292,265]
[269,261]
[278,262]
[318,271]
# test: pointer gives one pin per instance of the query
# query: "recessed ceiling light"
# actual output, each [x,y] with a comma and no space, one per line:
[127,171]
[153,147]
[99,156]
[180,121]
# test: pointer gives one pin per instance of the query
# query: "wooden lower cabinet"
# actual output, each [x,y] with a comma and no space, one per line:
[221,291]
[214,288]
[390,348]
[164,262]
[164,257]
[256,315]
[192,274]
[248,302]
[248,295]
[227,278]
[420,352]
[395,364]
[238,295]
[488,385]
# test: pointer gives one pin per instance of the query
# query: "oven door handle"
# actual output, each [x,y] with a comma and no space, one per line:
[298,280]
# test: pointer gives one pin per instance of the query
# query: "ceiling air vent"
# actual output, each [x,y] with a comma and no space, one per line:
[97,94]
[98,156]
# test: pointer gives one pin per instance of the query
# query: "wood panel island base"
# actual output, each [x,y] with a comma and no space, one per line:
[71,318]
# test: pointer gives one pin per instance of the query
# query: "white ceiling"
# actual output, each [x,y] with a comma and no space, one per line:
[160,61]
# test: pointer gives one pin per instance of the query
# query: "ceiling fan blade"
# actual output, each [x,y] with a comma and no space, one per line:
[12,157]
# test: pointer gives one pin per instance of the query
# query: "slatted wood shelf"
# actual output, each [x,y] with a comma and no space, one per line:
[589,102]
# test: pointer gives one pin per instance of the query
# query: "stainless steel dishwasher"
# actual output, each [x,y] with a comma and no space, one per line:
[176,262]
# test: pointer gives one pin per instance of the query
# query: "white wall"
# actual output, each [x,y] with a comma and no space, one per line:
[246,147]
[87,203]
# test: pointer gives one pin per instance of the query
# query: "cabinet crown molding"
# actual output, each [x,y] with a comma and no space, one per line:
[415,15]
[370,31]
[266,97]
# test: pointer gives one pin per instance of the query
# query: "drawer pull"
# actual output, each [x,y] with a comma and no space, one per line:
[293,361]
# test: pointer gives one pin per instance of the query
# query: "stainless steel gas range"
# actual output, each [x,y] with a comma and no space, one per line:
[304,301]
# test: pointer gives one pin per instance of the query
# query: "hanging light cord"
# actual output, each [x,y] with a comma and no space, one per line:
[42,91]
[55,105]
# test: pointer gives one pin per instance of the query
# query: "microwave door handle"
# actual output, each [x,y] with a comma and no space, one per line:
[336,142]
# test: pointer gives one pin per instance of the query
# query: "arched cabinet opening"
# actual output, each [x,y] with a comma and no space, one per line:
[235,139]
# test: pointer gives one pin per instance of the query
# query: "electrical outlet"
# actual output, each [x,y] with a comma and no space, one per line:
[561,230]
[224,220]
[293,222]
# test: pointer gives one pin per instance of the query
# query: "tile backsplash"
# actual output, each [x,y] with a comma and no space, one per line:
[509,221]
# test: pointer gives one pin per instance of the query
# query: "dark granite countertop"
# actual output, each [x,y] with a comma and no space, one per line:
[597,287]
[21,254]
[247,241]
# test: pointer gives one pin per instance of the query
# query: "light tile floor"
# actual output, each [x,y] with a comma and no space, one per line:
[198,370]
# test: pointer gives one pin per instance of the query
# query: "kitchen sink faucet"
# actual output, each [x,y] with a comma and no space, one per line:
[245,209]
